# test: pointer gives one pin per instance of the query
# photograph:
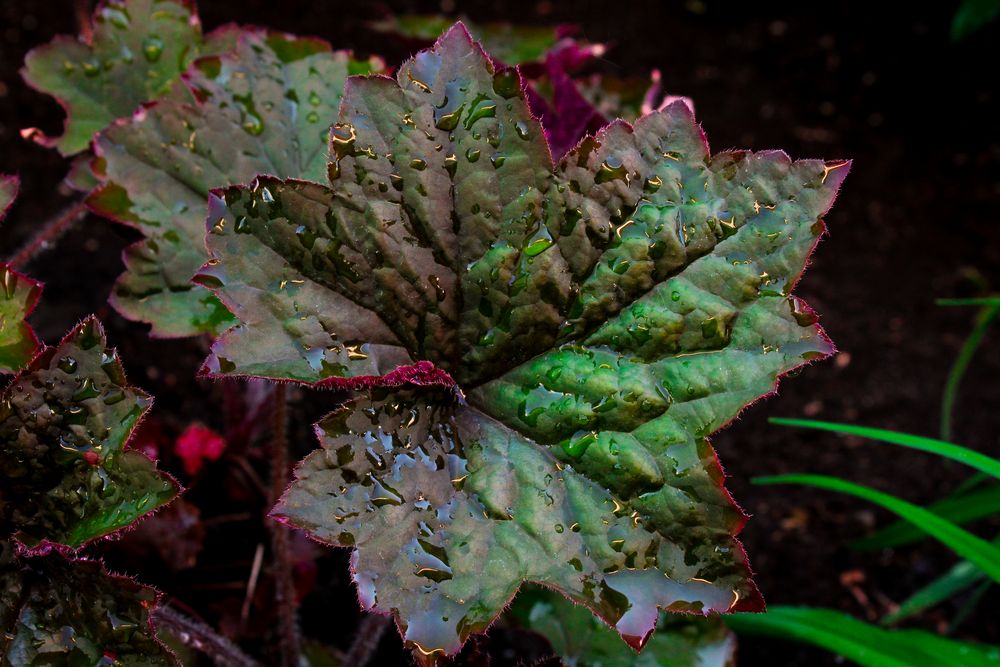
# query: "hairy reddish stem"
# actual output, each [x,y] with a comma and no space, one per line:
[366,640]
[48,234]
[291,642]
[201,637]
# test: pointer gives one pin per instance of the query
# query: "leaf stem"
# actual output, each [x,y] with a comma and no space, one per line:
[201,637]
[291,642]
[366,640]
[48,234]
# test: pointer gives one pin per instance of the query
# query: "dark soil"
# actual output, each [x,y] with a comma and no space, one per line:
[917,220]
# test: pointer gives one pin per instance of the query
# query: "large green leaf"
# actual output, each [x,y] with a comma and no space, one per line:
[602,318]
[18,296]
[64,421]
[583,641]
[264,108]
[54,611]
[861,642]
[137,49]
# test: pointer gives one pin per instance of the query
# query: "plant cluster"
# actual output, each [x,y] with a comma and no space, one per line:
[539,315]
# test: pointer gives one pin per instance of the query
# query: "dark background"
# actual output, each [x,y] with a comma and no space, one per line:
[917,220]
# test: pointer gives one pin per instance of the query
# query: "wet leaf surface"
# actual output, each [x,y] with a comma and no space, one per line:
[602,317]
[55,611]
[137,50]
[583,641]
[64,422]
[18,296]
[263,108]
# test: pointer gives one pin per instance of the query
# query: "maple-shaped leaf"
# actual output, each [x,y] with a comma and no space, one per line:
[602,316]
[64,421]
[265,107]
[583,641]
[56,611]
[135,51]
[18,297]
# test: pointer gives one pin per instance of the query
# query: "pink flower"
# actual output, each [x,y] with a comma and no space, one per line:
[198,444]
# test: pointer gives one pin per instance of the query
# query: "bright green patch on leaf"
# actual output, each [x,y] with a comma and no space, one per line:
[18,296]
[583,641]
[265,108]
[137,50]
[602,317]
[64,421]
[55,611]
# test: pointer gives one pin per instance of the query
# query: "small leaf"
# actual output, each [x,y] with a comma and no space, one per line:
[55,611]
[64,421]
[138,49]
[583,641]
[602,317]
[971,16]
[863,643]
[264,108]
[18,297]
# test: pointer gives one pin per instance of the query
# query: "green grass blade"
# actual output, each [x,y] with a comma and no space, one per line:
[860,642]
[962,542]
[954,581]
[969,484]
[984,319]
[959,510]
[970,605]
[977,301]
[963,455]
[960,577]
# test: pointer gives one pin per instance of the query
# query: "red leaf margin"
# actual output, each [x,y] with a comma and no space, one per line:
[42,357]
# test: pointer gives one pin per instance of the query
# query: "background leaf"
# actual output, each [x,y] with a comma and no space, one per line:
[263,108]
[583,641]
[55,611]
[507,42]
[64,422]
[138,49]
[18,297]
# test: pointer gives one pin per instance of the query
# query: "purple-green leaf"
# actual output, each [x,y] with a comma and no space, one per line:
[602,317]
[55,611]
[67,477]
[136,50]
[18,297]
[263,108]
